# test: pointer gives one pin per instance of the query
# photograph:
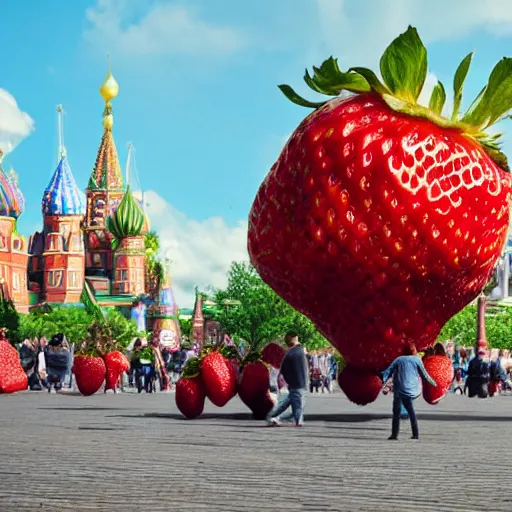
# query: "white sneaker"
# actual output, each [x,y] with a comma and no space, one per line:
[274,422]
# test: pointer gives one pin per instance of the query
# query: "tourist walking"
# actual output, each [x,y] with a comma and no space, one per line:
[294,369]
[405,371]
[477,382]
[57,358]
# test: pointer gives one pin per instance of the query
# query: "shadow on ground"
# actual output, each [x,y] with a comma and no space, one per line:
[328,418]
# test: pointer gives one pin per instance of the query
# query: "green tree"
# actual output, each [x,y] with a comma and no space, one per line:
[462,327]
[185,327]
[122,330]
[72,321]
[249,309]
[10,319]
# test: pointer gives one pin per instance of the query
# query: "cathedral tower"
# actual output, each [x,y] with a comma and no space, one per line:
[104,192]
[58,252]
[13,247]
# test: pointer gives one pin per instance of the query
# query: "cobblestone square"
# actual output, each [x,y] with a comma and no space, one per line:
[132,452]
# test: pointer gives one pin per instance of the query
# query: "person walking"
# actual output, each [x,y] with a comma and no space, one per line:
[477,382]
[405,371]
[294,369]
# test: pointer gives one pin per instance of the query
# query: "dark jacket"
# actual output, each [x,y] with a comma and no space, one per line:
[57,361]
[478,378]
[294,368]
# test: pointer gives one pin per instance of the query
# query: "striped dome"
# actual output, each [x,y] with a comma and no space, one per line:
[12,202]
[62,196]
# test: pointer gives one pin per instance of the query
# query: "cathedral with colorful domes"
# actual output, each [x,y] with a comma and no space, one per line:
[91,247]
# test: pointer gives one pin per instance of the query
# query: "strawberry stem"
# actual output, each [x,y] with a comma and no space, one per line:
[404,68]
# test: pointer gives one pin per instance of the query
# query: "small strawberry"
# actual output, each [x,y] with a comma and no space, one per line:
[273,355]
[231,353]
[360,386]
[89,372]
[398,213]
[12,376]
[116,363]
[190,390]
[254,389]
[440,368]
[219,378]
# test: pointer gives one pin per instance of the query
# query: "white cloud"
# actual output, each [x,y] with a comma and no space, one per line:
[163,29]
[15,125]
[358,32]
[200,251]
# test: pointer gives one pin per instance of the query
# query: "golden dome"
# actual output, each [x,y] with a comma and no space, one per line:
[110,88]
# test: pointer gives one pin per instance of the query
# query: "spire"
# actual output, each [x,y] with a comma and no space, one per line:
[109,90]
[60,124]
[107,174]
[130,174]
[62,196]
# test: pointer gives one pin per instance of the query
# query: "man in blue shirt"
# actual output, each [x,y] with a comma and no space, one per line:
[406,371]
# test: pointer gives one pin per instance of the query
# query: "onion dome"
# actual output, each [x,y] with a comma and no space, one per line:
[109,88]
[12,202]
[128,219]
[62,196]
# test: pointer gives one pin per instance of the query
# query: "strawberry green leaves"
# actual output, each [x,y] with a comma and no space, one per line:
[404,66]
[329,80]
[299,100]
[458,84]
[438,98]
[496,100]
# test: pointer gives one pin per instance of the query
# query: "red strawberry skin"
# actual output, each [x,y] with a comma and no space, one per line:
[440,368]
[219,378]
[12,376]
[190,395]
[360,386]
[116,363]
[254,389]
[398,223]
[90,373]
[273,354]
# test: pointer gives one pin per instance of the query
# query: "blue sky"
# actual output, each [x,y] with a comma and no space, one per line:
[198,95]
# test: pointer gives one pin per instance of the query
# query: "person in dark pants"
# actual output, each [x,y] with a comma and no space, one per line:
[477,382]
[294,369]
[405,371]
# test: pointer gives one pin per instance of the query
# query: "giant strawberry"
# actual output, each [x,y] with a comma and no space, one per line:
[219,378]
[440,368]
[381,218]
[190,390]
[254,388]
[89,372]
[12,376]
[116,364]
[273,354]
[360,386]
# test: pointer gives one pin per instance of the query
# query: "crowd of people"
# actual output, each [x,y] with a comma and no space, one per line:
[479,373]
[49,364]
[323,370]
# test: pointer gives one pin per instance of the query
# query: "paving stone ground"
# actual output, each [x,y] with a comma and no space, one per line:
[132,452]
